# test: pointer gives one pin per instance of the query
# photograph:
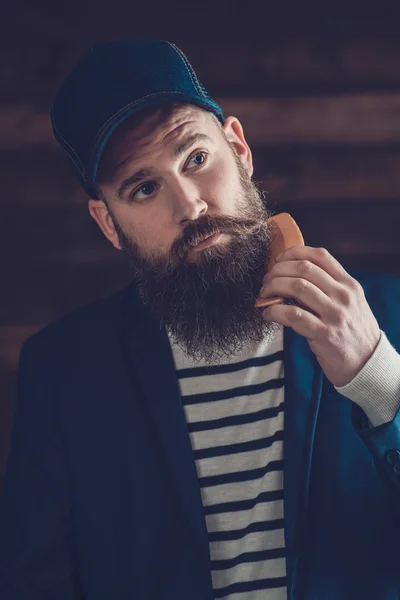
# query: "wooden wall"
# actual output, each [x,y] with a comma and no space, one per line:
[318,93]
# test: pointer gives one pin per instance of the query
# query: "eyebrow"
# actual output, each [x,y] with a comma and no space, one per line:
[143,173]
[132,179]
[190,140]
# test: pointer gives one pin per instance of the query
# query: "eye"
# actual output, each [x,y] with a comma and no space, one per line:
[145,190]
[198,158]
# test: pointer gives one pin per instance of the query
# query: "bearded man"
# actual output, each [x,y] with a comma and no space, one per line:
[174,441]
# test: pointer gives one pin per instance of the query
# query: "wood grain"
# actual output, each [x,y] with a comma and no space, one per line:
[39,292]
[363,118]
[38,176]
[368,118]
[321,174]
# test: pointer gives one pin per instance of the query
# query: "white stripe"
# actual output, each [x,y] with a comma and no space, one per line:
[253,542]
[234,492]
[264,511]
[228,381]
[242,461]
[262,569]
[235,434]
[235,406]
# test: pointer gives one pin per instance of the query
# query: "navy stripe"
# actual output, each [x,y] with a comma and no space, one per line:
[237,534]
[237,505]
[266,413]
[260,361]
[251,586]
[236,476]
[237,392]
[238,448]
[247,557]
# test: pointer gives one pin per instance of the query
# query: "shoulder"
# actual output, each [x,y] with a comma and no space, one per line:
[378,287]
[85,325]
[373,282]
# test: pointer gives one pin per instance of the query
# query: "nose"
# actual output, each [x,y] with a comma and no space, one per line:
[187,202]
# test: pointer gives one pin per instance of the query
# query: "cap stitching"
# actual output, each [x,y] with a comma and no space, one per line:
[72,159]
[189,68]
[65,141]
[100,132]
[81,167]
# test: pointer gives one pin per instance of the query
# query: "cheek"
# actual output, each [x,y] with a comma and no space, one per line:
[152,237]
[147,229]
[220,189]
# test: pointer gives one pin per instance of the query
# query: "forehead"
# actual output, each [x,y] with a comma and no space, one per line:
[154,135]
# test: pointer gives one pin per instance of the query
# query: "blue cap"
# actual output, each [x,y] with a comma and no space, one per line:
[111,82]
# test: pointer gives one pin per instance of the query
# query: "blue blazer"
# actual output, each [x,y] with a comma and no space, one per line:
[101,499]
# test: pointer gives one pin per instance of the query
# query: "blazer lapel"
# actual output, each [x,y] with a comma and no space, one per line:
[152,370]
[303,387]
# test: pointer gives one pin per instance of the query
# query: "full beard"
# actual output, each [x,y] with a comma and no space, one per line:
[208,306]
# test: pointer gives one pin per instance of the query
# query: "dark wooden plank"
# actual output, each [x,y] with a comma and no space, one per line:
[328,173]
[365,118]
[356,119]
[278,42]
[297,66]
[25,127]
[350,229]
[35,292]
[51,233]
[40,176]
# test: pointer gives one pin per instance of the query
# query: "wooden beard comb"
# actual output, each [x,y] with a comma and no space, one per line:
[285,234]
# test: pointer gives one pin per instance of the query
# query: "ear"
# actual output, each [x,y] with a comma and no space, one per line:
[234,133]
[100,213]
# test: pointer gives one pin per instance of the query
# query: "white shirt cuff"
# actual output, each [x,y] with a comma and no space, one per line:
[376,388]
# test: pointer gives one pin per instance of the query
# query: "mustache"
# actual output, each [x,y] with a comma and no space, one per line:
[204,227]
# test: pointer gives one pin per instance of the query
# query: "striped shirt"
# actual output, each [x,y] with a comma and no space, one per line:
[235,417]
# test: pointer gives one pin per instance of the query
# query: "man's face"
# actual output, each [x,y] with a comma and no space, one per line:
[173,183]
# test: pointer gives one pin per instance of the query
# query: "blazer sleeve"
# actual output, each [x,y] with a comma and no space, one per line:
[383,440]
[383,443]
[36,548]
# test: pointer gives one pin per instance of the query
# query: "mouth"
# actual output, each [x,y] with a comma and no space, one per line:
[207,242]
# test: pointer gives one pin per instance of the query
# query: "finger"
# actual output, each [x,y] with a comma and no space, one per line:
[304,269]
[301,290]
[320,257]
[298,319]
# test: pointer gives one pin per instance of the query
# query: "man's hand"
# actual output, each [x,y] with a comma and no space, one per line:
[341,329]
